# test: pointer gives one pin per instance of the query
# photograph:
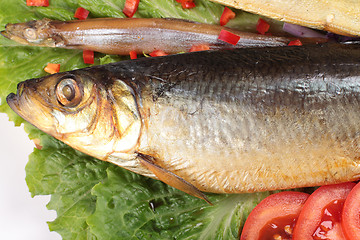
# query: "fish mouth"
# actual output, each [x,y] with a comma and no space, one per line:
[4,33]
[13,100]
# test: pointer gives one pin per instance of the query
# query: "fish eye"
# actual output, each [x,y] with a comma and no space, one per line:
[30,34]
[68,92]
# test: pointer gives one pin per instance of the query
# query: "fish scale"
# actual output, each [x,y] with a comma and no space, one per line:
[222,121]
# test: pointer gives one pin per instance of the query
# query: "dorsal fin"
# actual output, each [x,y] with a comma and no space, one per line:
[170,178]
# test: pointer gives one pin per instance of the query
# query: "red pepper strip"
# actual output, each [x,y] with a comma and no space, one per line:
[262,26]
[88,56]
[296,42]
[201,47]
[130,7]
[228,37]
[52,68]
[188,4]
[81,13]
[157,53]
[37,3]
[226,16]
[133,54]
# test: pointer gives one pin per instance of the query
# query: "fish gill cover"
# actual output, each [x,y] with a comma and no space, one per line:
[95,199]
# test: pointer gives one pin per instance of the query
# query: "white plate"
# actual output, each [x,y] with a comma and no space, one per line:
[21,217]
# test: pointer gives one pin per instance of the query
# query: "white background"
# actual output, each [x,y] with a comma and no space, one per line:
[21,217]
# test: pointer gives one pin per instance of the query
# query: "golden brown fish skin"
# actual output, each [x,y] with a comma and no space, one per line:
[122,35]
[338,16]
[224,121]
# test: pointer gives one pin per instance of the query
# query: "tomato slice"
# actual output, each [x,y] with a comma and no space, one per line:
[320,217]
[274,217]
[37,3]
[130,7]
[351,214]
[226,16]
[81,13]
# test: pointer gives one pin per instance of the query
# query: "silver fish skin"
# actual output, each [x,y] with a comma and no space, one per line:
[122,35]
[234,121]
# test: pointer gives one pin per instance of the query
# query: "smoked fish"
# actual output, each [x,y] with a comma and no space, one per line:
[338,16]
[122,35]
[228,121]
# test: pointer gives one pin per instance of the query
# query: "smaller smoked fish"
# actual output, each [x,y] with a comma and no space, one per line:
[122,35]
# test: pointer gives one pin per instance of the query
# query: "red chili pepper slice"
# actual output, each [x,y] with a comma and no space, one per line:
[88,56]
[130,7]
[188,4]
[37,3]
[157,53]
[201,47]
[228,37]
[133,54]
[262,26]
[81,13]
[296,42]
[52,68]
[226,16]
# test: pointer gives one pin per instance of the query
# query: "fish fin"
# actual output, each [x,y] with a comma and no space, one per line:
[170,178]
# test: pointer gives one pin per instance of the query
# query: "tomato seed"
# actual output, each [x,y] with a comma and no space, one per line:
[277,237]
[326,225]
[288,229]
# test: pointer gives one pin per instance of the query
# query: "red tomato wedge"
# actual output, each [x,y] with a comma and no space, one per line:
[275,216]
[320,217]
[157,53]
[37,3]
[81,13]
[88,56]
[296,42]
[351,214]
[52,68]
[229,37]
[133,54]
[262,26]
[130,7]
[226,16]
[201,47]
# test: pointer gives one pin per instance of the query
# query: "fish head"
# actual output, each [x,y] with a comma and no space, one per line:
[81,111]
[35,33]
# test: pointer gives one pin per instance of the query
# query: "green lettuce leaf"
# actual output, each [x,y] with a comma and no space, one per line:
[134,207]
[68,176]
[94,199]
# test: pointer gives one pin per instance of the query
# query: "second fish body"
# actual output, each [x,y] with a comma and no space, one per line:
[120,36]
